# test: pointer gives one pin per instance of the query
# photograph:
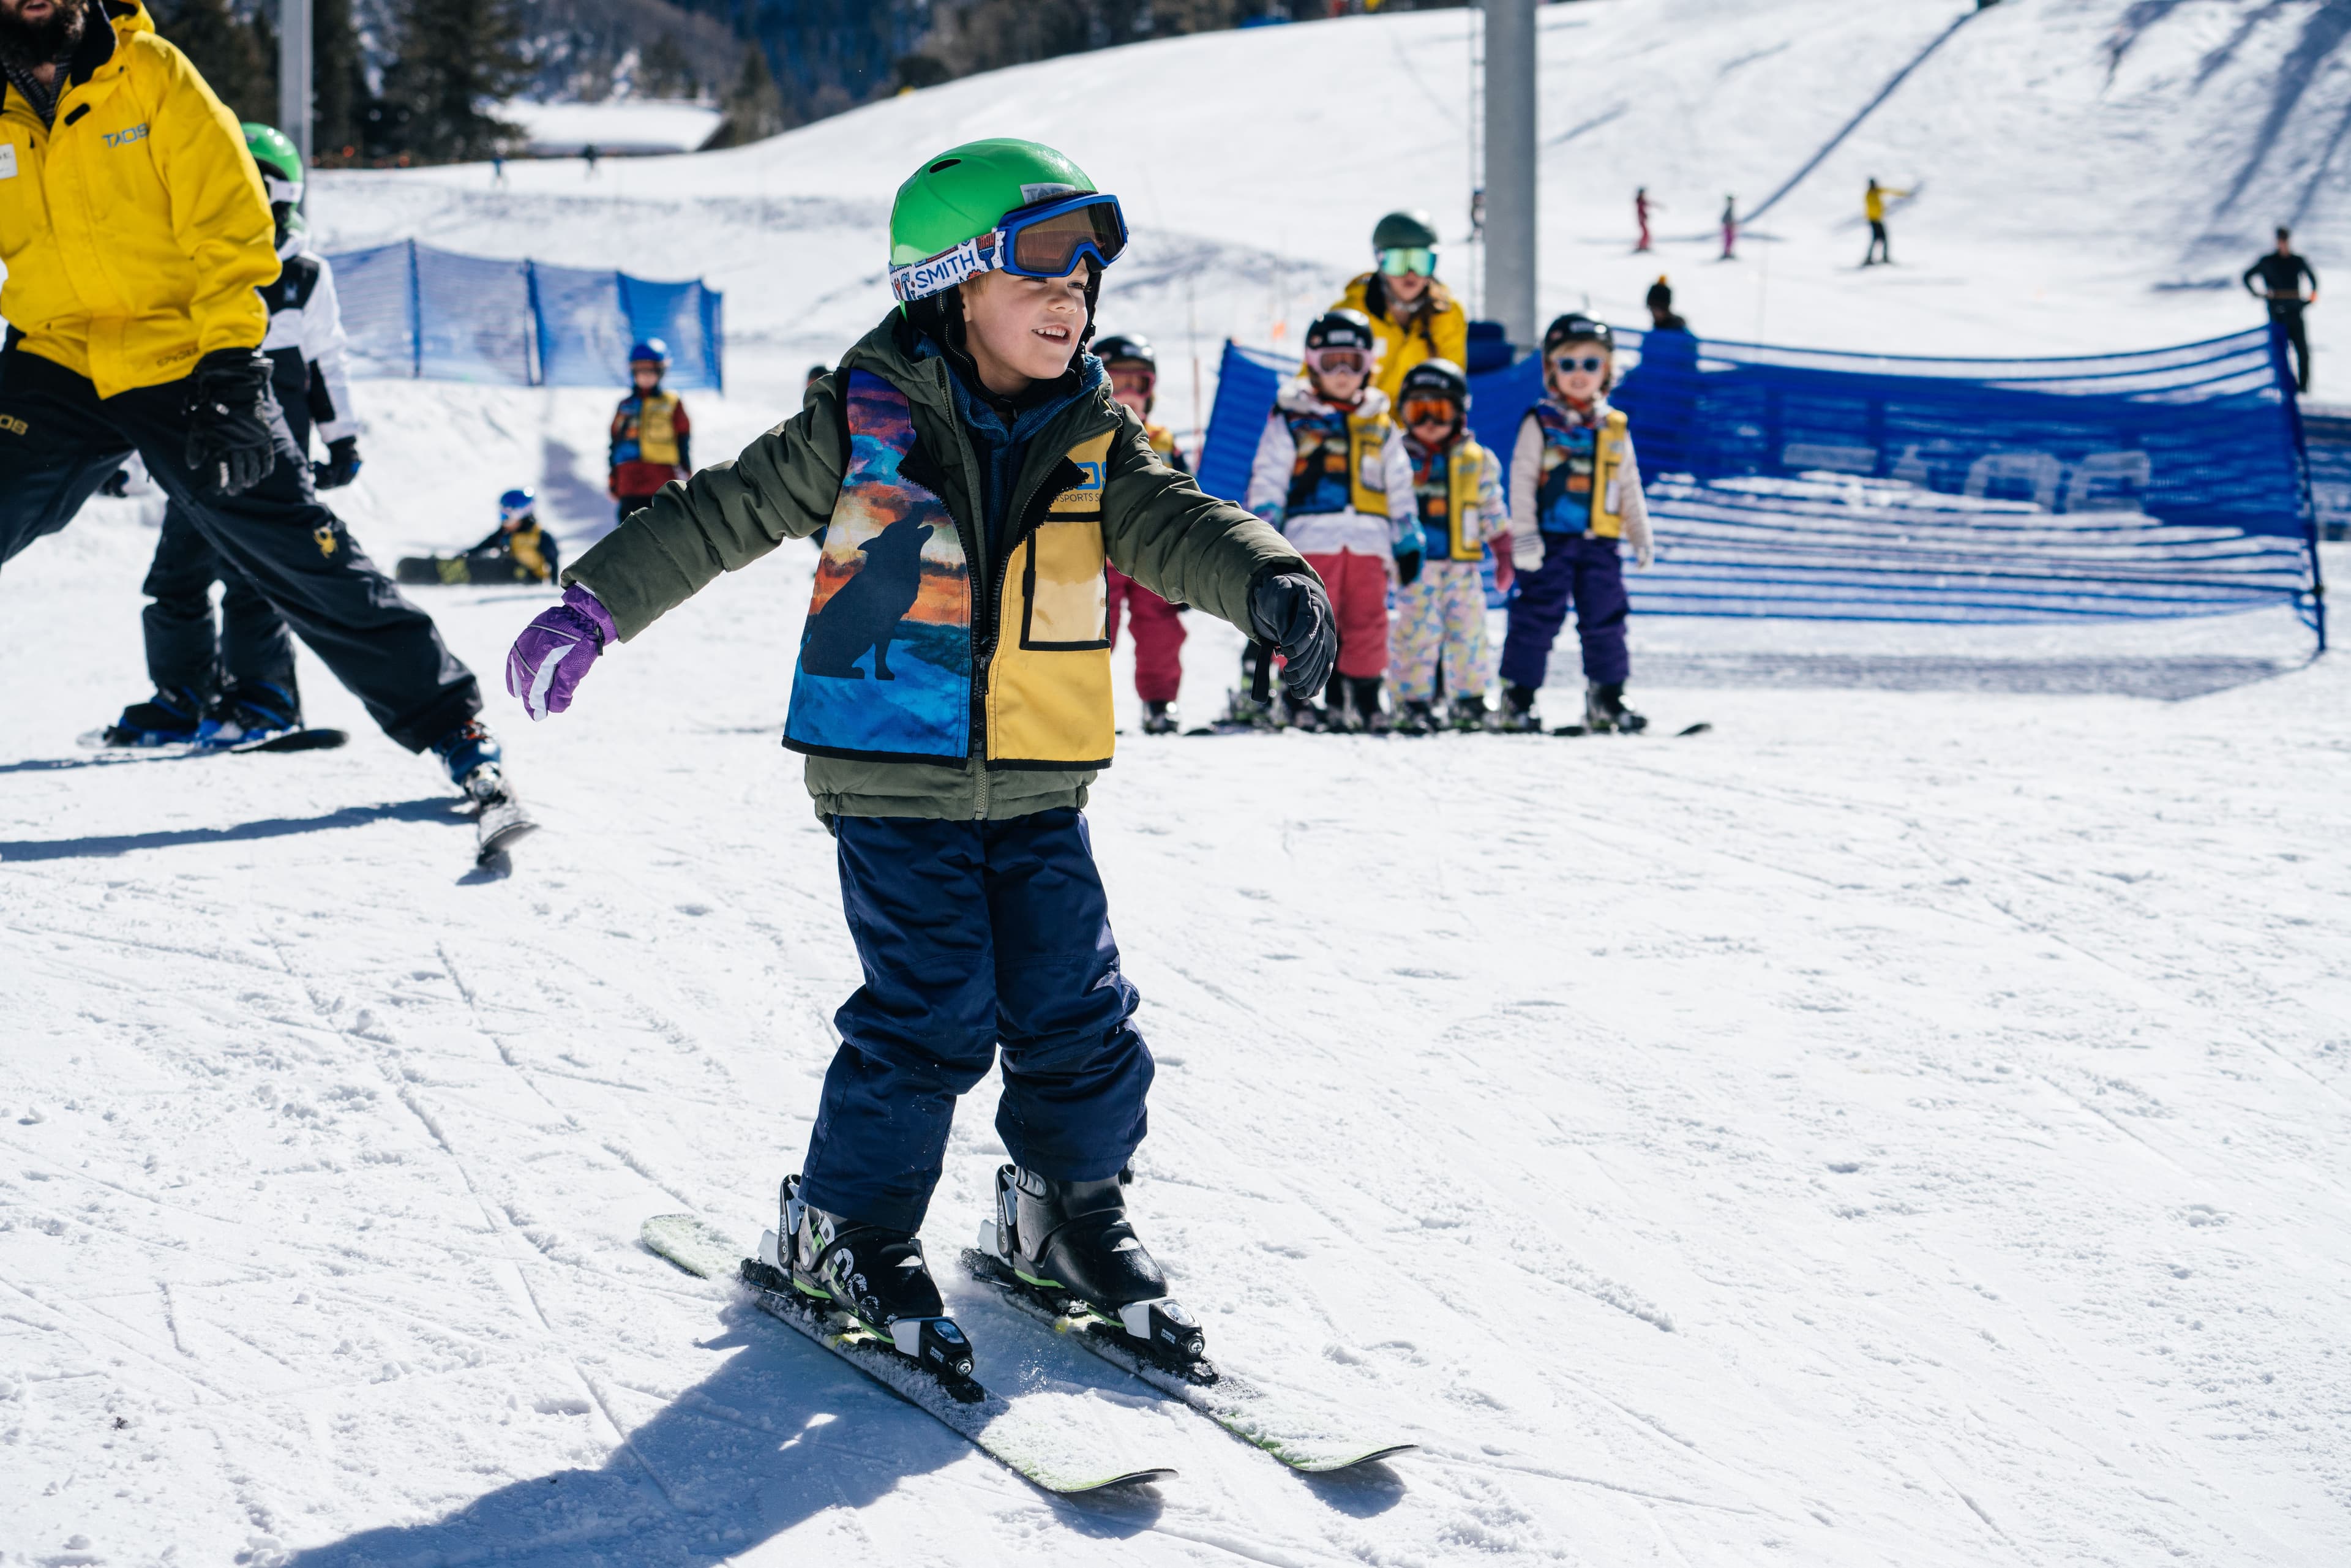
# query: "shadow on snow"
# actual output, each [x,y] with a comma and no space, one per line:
[98,846]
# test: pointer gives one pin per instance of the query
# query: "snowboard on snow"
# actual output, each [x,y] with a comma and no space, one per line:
[454,570]
[320,739]
[988,1421]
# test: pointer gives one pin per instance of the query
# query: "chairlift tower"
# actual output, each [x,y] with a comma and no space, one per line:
[294,102]
[1507,206]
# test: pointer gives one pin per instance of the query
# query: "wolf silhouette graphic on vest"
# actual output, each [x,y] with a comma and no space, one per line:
[865,610]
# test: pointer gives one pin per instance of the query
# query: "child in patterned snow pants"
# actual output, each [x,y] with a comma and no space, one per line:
[1441,620]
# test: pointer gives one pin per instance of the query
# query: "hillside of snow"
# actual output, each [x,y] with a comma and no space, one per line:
[1910,1124]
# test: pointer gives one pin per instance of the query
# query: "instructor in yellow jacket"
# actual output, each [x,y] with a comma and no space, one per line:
[1872,207]
[135,232]
[1414,317]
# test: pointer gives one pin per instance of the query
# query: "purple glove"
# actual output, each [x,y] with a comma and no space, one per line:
[552,655]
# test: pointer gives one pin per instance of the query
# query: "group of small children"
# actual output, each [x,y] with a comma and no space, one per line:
[1367,466]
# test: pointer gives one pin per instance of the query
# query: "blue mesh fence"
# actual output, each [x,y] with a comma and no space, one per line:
[412,310]
[1838,486]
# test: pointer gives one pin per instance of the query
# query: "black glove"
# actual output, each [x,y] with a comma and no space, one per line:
[229,445]
[117,483]
[1407,568]
[341,466]
[1290,611]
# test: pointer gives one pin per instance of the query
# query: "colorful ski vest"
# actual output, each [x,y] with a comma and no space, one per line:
[1337,468]
[1582,469]
[898,665]
[1444,483]
[644,428]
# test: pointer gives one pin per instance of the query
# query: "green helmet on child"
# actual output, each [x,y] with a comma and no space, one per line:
[279,159]
[999,206]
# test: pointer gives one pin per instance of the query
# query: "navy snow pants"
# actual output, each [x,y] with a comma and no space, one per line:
[1583,569]
[973,935]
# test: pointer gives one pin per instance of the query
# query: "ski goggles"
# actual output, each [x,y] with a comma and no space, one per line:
[1428,411]
[1140,380]
[1417,259]
[281,190]
[1322,362]
[1590,364]
[1046,241]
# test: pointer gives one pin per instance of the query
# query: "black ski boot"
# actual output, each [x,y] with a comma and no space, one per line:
[1605,709]
[474,760]
[1070,1244]
[168,718]
[1470,715]
[251,710]
[877,1276]
[1415,717]
[1159,718]
[1370,716]
[1519,715]
[1298,713]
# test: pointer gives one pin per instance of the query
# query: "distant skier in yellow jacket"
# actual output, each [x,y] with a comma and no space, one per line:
[1872,207]
[1414,317]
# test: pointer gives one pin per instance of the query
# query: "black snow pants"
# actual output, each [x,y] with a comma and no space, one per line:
[60,441]
[2297,336]
[183,648]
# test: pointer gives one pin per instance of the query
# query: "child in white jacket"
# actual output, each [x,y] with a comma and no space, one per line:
[1331,475]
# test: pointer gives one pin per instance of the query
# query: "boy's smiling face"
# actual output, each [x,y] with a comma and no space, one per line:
[1023,330]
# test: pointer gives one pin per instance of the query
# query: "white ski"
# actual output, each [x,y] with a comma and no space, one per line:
[1038,1450]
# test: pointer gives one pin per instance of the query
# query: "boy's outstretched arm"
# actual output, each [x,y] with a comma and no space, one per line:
[1185,545]
[783,486]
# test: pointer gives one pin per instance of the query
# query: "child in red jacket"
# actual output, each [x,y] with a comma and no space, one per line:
[650,431]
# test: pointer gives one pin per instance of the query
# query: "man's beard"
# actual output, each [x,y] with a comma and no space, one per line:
[44,42]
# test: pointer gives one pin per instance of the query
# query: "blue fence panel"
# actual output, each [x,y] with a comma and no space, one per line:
[412,310]
[1799,483]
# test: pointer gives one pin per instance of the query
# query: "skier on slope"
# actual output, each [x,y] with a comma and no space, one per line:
[136,326]
[1730,228]
[1331,472]
[652,439]
[1134,371]
[952,698]
[1413,315]
[1441,615]
[1872,207]
[1642,208]
[2282,274]
[1575,491]
[236,682]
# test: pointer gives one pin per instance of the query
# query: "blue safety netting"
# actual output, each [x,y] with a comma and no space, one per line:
[1786,482]
[412,310]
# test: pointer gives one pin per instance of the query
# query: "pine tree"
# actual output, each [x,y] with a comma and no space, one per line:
[455,58]
[755,108]
[226,54]
[339,89]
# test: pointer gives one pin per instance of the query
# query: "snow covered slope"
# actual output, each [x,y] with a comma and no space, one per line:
[1908,1124]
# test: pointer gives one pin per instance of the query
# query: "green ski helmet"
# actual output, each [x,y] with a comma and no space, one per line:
[1402,230]
[1001,204]
[281,162]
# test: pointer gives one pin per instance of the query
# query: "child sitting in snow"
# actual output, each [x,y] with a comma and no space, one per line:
[952,698]
[1331,472]
[1441,616]
[1575,491]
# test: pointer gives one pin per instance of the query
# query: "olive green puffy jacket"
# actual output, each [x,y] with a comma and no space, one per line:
[1158,527]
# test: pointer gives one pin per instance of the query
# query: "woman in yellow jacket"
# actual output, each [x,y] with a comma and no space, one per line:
[1414,317]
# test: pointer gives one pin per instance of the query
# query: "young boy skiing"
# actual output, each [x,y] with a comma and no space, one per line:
[952,696]
[1456,486]
[1331,475]
[234,682]
[1575,491]
[1133,371]
[651,436]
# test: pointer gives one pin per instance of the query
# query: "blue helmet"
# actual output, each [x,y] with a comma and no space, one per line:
[649,350]
[516,504]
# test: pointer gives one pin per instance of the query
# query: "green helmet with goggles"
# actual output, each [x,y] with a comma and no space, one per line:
[279,159]
[1405,242]
[999,206]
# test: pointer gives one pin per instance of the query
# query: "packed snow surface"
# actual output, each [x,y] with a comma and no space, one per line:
[1908,1123]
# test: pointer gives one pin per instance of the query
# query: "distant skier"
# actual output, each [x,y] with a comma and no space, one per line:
[520,549]
[589,155]
[953,792]
[1660,303]
[1134,371]
[1413,315]
[652,437]
[1872,207]
[1458,493]
[136,323]
[1331,472]
[1730,228]
[2282,274]
[1575,491]
[236,682]
[1642,207]
[1664,392]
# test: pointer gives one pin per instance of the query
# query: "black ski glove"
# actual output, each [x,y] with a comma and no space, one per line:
[229,443]
[341,466]
[117,483]
[1407,568]
[1290,611]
